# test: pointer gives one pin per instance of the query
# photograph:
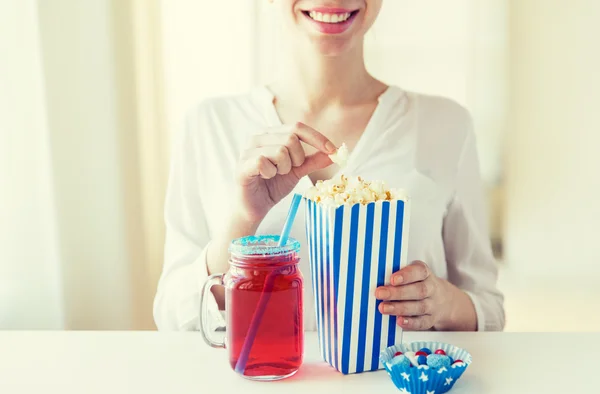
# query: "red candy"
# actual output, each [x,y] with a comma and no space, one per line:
[440,351]
[420,354]
[397,354]
[457,361]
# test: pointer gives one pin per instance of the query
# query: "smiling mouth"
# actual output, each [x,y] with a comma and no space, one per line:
[331,18]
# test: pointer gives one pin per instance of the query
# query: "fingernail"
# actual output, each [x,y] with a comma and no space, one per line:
[402,321]
[398,280]
[383,294]
[387,308]
[330,147]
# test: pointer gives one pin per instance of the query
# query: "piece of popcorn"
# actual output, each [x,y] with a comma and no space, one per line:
[340,156]
[329,201]
[354,183]
[335,189]
[377,186]
[369,196]
[398,194]
[312,193]
[341,198]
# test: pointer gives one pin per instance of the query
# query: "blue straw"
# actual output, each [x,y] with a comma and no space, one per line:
[240,366]
[287,227]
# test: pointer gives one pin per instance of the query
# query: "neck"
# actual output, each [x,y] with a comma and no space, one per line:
[312,80]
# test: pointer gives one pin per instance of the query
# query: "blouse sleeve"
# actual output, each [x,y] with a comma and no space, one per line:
[177,301]
[471,264]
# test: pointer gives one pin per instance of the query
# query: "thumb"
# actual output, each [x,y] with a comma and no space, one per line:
[313,163]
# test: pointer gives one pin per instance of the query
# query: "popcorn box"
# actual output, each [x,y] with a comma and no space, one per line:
[353,249]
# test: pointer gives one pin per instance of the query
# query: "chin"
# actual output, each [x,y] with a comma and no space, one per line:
[333,46]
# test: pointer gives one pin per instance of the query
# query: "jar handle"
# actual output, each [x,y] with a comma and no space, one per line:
[216,279]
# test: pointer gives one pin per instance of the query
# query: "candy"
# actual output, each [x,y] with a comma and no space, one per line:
[457,361]
[451,360]
[440,351]
[425,350]
[397,354]
[422,360]
[399,360]
[438,361]
[420,353]
[413,358]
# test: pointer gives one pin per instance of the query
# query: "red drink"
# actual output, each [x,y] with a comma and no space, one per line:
[258,270]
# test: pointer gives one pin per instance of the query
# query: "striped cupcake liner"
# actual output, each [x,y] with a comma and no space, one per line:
[423,379]
[353,250]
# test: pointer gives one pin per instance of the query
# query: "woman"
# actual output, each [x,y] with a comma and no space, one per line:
[241,157]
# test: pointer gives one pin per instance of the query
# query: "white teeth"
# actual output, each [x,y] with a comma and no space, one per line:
[329,18]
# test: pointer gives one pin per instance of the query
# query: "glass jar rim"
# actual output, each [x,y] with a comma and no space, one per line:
[262,246]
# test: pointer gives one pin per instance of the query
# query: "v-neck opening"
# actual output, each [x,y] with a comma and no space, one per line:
[383,102]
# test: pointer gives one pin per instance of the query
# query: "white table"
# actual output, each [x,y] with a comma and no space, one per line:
[172,363]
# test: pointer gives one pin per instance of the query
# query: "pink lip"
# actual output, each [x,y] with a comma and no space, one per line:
[332,28]
[328,10]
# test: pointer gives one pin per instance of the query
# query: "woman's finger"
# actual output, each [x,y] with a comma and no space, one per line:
[278,155]
[407,308]
[313,163]
[419,323]
[289,140]
[258,166]
[412,292]
[415,272]
[313,138]
[303,132]
[296,150]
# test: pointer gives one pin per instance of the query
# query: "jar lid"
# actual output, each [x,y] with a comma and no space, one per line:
[262,245]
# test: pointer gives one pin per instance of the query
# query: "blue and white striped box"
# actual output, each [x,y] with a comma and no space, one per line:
[353,250]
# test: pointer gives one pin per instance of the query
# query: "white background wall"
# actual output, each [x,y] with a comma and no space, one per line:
[65,255]
[208,50]
[30,272]
[83,98]
[553,173]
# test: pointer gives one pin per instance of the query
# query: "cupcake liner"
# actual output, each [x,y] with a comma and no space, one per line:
[423,379]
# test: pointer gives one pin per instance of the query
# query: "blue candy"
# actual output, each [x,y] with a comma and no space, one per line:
[438,361]
[451,360]
[401,360]
[425,350]
[422,360]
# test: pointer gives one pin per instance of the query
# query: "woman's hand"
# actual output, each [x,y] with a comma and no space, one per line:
[269,169]
[422,301]
[273,163]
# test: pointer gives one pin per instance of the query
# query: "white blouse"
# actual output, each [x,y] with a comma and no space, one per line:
[419,143]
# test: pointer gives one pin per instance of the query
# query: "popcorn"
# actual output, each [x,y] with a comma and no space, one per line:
[343,190]
[340,157]
[341,198]
[377,187]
